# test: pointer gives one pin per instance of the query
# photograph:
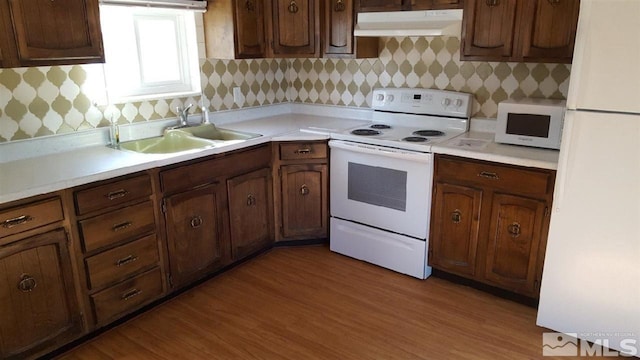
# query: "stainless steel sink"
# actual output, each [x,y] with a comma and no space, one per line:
[189,138]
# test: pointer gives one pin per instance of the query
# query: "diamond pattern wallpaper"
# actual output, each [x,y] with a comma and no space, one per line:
[42,101]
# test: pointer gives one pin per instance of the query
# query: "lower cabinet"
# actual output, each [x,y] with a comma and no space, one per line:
[250,210]
[39,308]
[490,222]
[304,200]
[194,232]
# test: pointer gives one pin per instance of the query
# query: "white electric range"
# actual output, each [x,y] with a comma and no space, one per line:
[381,177]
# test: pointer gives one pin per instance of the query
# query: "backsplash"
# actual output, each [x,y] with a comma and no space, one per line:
[42,101]
[427,63]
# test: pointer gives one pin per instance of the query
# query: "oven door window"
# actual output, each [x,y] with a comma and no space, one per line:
[377,186]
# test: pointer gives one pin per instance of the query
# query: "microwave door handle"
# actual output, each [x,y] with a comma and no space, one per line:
[381,151]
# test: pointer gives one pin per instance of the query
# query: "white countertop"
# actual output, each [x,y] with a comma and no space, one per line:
[480,146]
[82,164]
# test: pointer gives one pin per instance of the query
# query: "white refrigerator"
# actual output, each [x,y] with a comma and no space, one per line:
[591,279]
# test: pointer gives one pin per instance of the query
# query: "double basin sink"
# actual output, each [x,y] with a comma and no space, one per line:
[188,138]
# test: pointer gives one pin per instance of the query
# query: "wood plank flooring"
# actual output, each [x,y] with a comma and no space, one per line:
[310,303]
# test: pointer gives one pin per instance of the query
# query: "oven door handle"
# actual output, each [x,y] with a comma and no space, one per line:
[381,151]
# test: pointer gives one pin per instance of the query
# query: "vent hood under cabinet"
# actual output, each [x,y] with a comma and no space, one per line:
[410,23]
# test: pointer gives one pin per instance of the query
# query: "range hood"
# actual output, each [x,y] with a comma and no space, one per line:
[410,23]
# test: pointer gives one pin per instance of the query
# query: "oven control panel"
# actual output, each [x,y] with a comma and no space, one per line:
[423,101]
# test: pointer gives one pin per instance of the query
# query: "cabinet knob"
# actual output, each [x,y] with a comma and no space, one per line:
[514,230]
[251,7]
[196,221]
[251,200]
[456,216]
[492,3]
[304,190]
[339,6]
[293,7]
[27,283]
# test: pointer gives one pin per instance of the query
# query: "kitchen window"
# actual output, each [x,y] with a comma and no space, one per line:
[150,52]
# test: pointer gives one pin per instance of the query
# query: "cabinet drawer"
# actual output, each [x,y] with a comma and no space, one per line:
[110,228]
[112,194]
[119,263]
[127,295]
[204,172]
[515,180]
[295,151]
[26,217]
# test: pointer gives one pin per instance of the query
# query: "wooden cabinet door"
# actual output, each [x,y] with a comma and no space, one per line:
[488,29]
[194,232]
[39,308]
[249,27]
[304,201]
[379,5]
[548,30]
[250,204]
[296,28]
[455,228]
[338,31]
[55,32]
[515,234]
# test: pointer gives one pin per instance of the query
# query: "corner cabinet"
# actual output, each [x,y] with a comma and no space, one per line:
[525,31]
[235,29]
[301,191]
[490,222]
[294,28]
[39,309]
[59,32]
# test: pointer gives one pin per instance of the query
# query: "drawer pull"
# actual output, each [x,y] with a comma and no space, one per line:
[8,224]
[196,221]
[303,151]
[304,190]
[489,175]
[554,2]
[122,226]
[514,230]
[492,3]
[456,216]
[131,294]
[117,194]
[126,260]
[27,283]
[251,200]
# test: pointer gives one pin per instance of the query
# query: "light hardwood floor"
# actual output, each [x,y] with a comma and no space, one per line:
[308,303]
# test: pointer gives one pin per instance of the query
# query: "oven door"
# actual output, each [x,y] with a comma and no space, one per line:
[382,187]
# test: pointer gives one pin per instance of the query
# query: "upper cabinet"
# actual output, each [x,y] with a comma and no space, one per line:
[526,31]
[396,5]
[235,29]
[240,29]
[45,32]
[295,28]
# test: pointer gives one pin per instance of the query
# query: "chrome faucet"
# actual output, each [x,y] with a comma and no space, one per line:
[183,115]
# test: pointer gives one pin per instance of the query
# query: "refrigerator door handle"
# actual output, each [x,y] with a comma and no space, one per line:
[563,160]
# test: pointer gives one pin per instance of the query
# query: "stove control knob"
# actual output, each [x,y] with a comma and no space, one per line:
[380,97]
[390,98]
[459,102]
[446,102]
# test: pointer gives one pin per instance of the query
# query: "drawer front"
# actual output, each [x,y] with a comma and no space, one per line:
[119,263]
[296,150]
[515,180]
[127,295]
[116,226]
[204,172]
[26,217]
[112,194]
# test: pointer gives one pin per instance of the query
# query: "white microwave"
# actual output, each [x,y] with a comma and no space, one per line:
[531,122]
